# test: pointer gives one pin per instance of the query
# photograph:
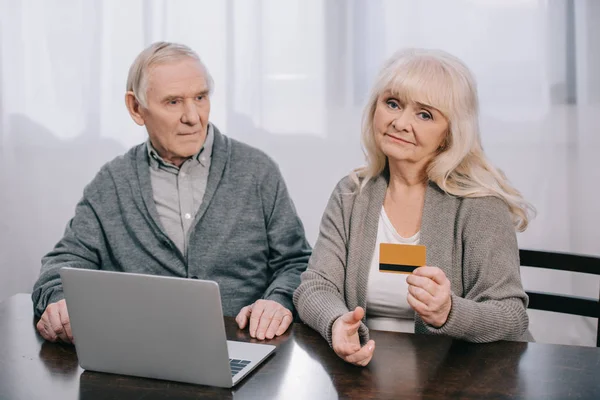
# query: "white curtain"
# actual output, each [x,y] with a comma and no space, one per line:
[291,78]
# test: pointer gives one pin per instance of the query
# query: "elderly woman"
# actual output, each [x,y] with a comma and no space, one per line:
[428,182]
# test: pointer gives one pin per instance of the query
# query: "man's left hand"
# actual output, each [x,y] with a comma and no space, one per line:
[267,319]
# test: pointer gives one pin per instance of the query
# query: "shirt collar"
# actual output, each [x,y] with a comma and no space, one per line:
[205,153]
[202,157]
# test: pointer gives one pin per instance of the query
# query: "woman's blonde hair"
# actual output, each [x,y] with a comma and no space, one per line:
[461,168]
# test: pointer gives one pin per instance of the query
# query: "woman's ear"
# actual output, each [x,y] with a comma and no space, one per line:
[134,108]
[444,145]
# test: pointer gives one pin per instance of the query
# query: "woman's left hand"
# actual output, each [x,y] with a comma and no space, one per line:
[429,295]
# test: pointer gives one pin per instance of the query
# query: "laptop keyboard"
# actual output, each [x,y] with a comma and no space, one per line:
[237,365]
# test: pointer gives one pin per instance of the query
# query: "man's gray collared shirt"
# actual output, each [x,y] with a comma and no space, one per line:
[178,192]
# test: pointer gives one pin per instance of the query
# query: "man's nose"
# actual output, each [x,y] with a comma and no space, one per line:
[190,113]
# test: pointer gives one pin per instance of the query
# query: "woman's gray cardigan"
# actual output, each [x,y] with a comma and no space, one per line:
[472,240]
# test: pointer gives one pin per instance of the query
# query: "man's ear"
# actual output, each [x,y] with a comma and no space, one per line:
[134,108]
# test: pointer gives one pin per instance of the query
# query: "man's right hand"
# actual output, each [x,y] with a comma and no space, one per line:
[55,324]
[345,340]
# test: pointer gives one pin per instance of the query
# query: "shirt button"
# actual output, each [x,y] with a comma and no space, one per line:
[182,174]
[203,159]
[188,216]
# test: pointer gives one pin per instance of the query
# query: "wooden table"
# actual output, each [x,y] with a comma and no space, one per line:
[304,367]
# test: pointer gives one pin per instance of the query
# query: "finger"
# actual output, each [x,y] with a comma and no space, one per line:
[55,324]
[41,327]
[275,326]
[341,326]
[351,330]
[50,335]
[66,321]
[345,349]
[344,337]
[359,313]
[285,324]
[366,352]
[424,283]
[265,321]
[434,273]
[275,323]
[417,305]
[422,295]
[354,316]
[44,328]
[257,310]
[47,335]
[243,316]
[367,360]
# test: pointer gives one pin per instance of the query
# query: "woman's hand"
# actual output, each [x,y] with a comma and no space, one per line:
[345,340]
[429,295]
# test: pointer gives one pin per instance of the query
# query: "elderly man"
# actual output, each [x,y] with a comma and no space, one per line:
[190,202]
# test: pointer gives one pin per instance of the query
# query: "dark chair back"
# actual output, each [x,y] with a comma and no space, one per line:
[562,303]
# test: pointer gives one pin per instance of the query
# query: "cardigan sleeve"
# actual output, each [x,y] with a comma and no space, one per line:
[319,299]
[288,249]
[493,306]
[80,247]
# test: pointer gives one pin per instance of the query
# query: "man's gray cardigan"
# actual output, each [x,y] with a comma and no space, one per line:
[246,235]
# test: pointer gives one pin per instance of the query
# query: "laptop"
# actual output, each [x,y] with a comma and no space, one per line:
[155,327]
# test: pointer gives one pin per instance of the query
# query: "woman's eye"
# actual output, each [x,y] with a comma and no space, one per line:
[393,104]
[425,116]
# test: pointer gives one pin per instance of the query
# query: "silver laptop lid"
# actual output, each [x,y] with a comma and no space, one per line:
[149,326]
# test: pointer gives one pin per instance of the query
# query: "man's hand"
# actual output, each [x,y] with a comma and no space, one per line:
[55,324]
[345,340]
[267,319]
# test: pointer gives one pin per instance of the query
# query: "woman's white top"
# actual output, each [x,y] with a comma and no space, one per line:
[387,307]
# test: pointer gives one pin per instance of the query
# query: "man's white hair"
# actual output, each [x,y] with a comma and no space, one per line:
[159,53]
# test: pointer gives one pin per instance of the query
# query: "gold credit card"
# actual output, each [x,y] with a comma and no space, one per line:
[401,258]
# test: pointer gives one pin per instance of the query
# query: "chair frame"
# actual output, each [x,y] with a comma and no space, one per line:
[561,303]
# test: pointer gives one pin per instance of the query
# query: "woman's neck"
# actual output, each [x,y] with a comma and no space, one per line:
[405,176]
